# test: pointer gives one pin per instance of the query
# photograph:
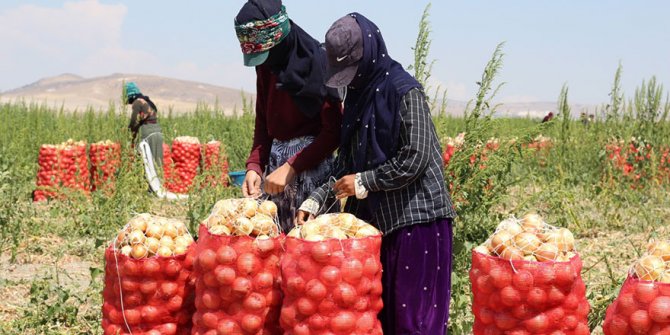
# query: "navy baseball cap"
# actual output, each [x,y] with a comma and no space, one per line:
[344,49]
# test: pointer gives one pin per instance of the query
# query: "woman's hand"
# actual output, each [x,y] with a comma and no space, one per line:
[277,180]
[345,187]
[251,187]
[302,217]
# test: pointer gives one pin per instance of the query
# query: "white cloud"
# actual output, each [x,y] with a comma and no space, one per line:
[81,36]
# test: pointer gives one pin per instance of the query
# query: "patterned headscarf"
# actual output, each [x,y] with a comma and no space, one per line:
[262,35]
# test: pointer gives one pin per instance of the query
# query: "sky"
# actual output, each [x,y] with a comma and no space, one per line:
[547,43]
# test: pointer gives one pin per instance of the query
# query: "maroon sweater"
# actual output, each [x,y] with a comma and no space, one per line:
[277,117]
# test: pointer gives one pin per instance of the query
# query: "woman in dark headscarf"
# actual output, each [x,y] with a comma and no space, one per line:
[389,166]
[144,120]
[297,118]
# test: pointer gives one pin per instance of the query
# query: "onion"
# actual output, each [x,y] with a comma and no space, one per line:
[295,232]
[262,224]
[243,226]
[152,244]
[335,232]
[164,251]
[180,249]
[312,227]
[565,240]
[650,268]
[183,241]
[527,243]
[219,230]
[660,249]
[136,237]
[139,223]
[511,226]
[665,278]
[154,230]
[367,231]
[249,208]
[530,258]
[138,251]
[482,249]
[167,241]
[314,238]
[170,230]
[268,208]
[346,221]
[126,250]
[532,222]
[547,252]
[512,254]
[500,241]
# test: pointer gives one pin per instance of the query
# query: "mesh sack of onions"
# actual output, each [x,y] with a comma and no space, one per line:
[48,173]
[148,279]
[74,166]
[331,277]
[216,164]
[526,279]
[168,167]
[63,168]
[237,269]
[186,158]
[643,304]
[105,159]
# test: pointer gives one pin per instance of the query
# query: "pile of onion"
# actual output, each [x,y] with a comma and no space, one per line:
[243,217]
[148,235]
[530,239]
[187,139]
[654,265]
[339,226]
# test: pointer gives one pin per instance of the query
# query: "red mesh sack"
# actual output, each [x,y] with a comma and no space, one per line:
[48,173]
[105,162]
[237,284]
[524,297]
[186,157]
[75,174]
[526,279]
[331,286]
[168,165]
[643,304]
[216,164]
[146,293]
[62,168]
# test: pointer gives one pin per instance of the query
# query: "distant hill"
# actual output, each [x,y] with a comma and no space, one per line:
[77,93]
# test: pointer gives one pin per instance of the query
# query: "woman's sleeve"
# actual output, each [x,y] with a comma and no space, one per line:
[325,194]
[260,149]
[325,143]
[416,131]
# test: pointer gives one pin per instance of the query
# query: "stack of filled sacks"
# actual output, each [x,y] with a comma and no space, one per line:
[643,304]
[63,168]
[148,283]
[186,159]
[331,277]
[526,278]
[237,269]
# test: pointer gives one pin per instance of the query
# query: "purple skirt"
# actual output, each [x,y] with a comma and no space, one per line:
[417,279]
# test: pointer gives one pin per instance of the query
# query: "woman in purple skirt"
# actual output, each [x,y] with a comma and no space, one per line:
[389,165]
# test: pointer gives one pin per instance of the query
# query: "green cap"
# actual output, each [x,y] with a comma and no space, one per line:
[132,89]
[256,59]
